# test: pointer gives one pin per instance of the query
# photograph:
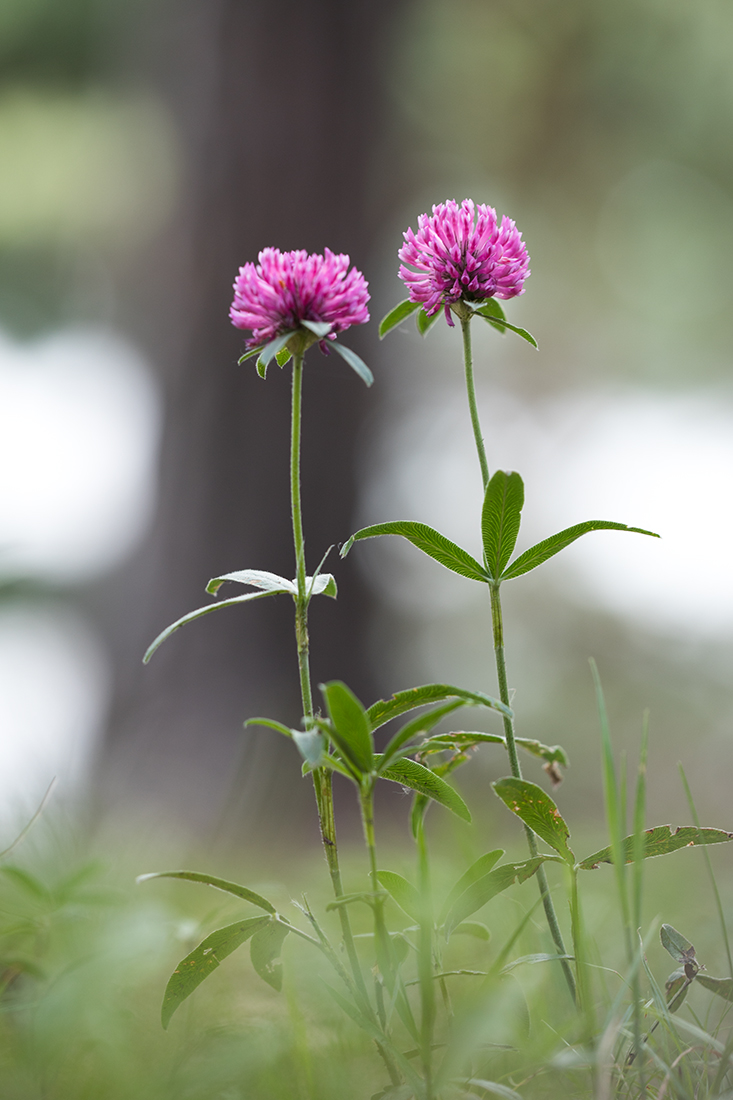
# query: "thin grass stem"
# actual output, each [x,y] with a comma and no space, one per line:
[711,873]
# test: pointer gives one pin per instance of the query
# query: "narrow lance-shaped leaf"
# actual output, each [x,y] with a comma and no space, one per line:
[500,519]
[487,887]
[492,311]
[249,354]
[318,328]
[384,710]
[204,960]
[425,323]
[501,325]
[723,987]
[410,774]
[269,723]
[269,352]
[351,726]
[199,612]
[403,892]
[473,928]
[676,988]
[538,811]
[257,578]
[492,1087]
[420,725]
[371,899]
[540,553]
[551,754]
[265,949]
[676,944]
[356,363]
[430,541]
[322,584]
[396,316]
[480,867]
[218,884]
[310,744]
[659,841]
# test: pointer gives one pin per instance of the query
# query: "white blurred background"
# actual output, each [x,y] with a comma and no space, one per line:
[598,129]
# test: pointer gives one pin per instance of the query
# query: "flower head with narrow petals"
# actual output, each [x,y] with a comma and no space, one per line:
[462,253]
[285,288]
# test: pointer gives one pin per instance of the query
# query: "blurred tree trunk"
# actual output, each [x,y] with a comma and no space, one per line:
[279,103]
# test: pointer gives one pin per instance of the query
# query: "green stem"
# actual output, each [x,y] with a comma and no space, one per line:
[381,935]
[547,904]
[471,390]
[322,778]
[464,315]
[425,961]
[301,601]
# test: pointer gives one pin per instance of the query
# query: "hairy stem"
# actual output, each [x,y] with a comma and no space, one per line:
[471,391]
[322,778]
[547,904]
[425,961]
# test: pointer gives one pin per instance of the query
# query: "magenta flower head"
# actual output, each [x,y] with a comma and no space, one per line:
[286,288]
[461,253]
[289,294]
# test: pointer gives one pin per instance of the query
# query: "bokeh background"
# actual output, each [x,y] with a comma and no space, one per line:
[149,149]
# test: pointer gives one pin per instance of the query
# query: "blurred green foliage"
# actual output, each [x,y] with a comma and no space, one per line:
[85,956]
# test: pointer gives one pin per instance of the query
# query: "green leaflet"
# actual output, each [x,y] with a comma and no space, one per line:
[403,892]
[318,328]
[218,884]
[355,361]
[270,723]
[322,584]
[492,311]
[500,519]
[540,553]
[420,725]
[675,943]
[659,841]
[265,949]
[203,960]
[257,578]
[473,928]
[384,710]
[537,810]
[487,887]
[503,325]
[462,739]
[425,323]
[480,867]
[430,541]
[723,987]
[408,773]
[199,612]
[269,352]
[396,316]
[676,988]
[351,733]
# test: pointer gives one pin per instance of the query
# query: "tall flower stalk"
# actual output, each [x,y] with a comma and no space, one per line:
[463,258]
[290,301]
[322,777]
[293,299]
[497,627]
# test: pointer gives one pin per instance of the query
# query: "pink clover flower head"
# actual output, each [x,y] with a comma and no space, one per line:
[461,252]
[285,288]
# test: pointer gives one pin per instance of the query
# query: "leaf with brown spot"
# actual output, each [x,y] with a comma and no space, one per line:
[204,960]
[659,841]
[538,811]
